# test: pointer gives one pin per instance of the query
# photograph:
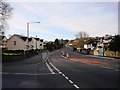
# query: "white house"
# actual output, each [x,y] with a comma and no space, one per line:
[32,43]
[37,43]
[88,46]
[41,44]
[17,42]
[3,41]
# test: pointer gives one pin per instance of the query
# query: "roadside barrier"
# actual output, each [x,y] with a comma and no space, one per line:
[65,54]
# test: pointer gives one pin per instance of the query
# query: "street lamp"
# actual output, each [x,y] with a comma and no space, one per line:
[28,29]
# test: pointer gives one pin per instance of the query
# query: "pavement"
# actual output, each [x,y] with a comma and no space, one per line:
[32,60]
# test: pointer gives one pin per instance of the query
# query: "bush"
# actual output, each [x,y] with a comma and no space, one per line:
[74,49]
[16,55]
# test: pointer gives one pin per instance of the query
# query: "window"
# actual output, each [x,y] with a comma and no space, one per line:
[41,40]
[40,44]
[14,42]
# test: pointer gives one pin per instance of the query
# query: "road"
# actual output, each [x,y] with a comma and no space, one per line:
[78,71]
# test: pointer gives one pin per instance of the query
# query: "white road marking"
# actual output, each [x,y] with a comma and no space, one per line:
[28,73]
[70,81]
[4,73]
[60,72]
[109,68]
[117,65]
[54,67]
[50,68]
[116,69]
[66,77]
[76,86]
[63,75]
[100,57]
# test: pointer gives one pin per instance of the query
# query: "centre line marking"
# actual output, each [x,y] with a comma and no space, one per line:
[76,86]
[66,77]
[60,72]
[50,69]
[70,81]
[63,75]
[54,67]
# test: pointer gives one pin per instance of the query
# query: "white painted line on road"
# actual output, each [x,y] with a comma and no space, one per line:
[29,73]
[54,67]
[50,68]
[60,72]
[116,69]
[109,68]
[76,86]
[70,81]
[66,77]
[4,73]
[18,73]
[117,65]
[63,74]
[101,57]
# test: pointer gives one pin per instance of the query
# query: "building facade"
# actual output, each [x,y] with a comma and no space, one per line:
[3,41]
[18,42]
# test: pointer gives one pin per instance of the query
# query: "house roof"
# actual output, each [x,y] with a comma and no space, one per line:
[37,39]
[29,39]
[24,38]
[41,40]
[1,37]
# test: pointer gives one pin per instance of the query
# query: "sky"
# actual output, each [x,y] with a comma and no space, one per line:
[63,20]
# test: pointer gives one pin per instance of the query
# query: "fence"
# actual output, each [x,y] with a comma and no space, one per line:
[112,54]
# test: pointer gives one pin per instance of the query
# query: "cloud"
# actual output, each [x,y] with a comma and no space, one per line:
[92,18]
[21,24]
[62,0]
[106,23]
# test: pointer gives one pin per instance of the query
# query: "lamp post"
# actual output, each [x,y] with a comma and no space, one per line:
[28,23]
[28,27]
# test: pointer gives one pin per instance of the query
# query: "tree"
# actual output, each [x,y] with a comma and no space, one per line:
[91,41]
[80,39]
[115,43]
[66,41]
[56,42]
[50,46]
[81,35]
[5,13]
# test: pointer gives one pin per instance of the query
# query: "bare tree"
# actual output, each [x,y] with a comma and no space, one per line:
[5,13]
[81,35]
[80,39]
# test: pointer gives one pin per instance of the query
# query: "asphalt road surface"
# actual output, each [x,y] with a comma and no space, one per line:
[77,71]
